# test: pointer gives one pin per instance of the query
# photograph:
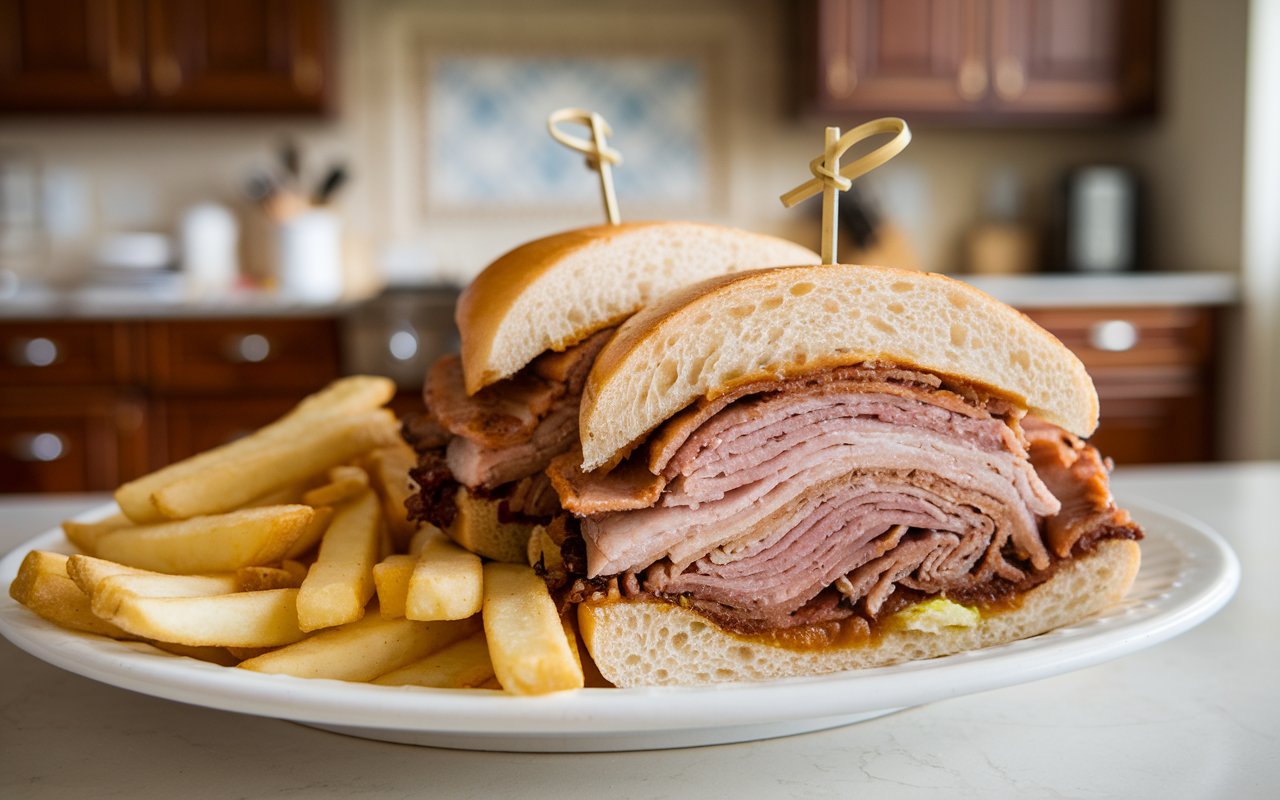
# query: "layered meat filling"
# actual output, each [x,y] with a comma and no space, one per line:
[841,494]
[498,442]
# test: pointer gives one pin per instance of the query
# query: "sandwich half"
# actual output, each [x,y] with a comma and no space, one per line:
[801,470]
[531,325]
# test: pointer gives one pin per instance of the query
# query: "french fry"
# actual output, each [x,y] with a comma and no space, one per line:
[527,642]
[85,535]
[422,536]
[341,399]
[447,582]
[312,534]
[273,464]
[295,568]
[257,579]
[340,583]
[461,665]
[222,543]
[288,496]
[43,586]
[91,574]
[244,619]
[350,395]
[362,650]
[345,482]
[389,470]
[391,581]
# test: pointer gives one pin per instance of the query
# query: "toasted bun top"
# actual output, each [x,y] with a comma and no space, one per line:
[705,339]
[552,293]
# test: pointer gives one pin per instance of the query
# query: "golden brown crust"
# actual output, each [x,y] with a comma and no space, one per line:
[553,292]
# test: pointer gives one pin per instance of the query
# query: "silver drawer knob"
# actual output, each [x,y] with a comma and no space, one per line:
[1113,335]
[403,345]
[252,348]
[44,446]
[37,352]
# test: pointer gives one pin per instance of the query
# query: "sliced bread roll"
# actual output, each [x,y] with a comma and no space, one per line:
[650,643]
[705,339]
[478,527]
[552,293]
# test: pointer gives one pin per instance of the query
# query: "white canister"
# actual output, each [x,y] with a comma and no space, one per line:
[309,256]
[210,239]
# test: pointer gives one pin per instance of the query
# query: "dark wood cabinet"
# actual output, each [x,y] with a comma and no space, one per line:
[70,441]
[81,54]
[1073,57]
[250,355]
[979,60]
[85,406]
[1154,371]
[165,55]
[239,55]
[908,55]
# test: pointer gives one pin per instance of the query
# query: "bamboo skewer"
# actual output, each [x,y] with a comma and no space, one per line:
[829,178]
[600,156]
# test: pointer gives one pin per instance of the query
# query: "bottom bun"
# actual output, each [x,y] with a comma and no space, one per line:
[478,528]
[649,643]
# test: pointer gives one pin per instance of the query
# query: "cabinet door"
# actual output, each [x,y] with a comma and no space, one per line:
[61,441]
[239,55]
[1153,371]
[901,56]
[1064,57]
[70,55]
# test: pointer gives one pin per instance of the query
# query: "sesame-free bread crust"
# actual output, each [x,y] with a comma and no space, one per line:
[552,293]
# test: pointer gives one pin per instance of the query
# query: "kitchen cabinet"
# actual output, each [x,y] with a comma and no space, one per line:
[87,405]
[1154,371]
[84,55]
[165,55]
[979,60]
[239,55]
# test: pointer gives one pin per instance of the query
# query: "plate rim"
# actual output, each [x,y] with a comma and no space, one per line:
[141,668]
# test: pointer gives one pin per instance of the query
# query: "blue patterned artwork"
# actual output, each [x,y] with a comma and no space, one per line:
[488,143]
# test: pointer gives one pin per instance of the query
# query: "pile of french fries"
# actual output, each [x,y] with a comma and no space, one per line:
[289,551]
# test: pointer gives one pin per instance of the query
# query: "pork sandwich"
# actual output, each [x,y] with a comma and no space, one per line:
[802,470]
[531,325]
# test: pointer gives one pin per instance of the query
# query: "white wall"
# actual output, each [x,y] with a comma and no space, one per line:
[1258,434]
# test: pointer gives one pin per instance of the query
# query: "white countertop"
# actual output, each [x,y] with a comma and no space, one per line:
[169,302]
[1198,716]
[1076,290]
[1022,291]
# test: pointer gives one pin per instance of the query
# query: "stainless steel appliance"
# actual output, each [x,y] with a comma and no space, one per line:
[1101,219]
[400,333]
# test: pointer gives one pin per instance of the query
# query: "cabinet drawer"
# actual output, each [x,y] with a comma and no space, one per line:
[243,354]
[52,442]
[1131,337]
[63,353]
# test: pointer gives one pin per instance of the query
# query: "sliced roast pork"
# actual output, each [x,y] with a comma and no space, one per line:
[498,442]
[796,501]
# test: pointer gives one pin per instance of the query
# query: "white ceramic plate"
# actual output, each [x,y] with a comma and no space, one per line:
[1187,574]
